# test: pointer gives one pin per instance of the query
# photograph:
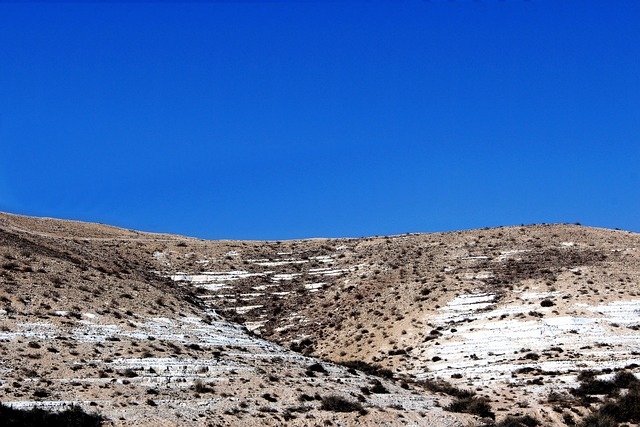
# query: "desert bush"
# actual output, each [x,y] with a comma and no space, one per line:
[269,397]
[378,388]
[129,373]
[200,387]
[73,417]
[441,386]
[41,393]
[524,421]
[305,398]
[587,375]
[304,346]
[598,420]
[555,396]
[337,403]
[630,405]
[472,405]
[568,420]
[625,379]
[625,409]
[10,266]
[595,386]
[367,368]
[316,367]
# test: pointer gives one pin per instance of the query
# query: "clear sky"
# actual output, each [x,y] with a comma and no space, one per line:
[279,120]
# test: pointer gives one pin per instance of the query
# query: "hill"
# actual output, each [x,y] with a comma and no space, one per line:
[150,329]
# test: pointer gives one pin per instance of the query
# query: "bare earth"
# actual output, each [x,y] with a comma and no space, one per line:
[151,329]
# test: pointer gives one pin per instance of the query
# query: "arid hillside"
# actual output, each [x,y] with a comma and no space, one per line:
[153,329]
[87,319]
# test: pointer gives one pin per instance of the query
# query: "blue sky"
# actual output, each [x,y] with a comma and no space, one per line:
[279,120]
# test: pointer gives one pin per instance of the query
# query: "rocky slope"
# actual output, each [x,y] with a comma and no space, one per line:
[87,320]
[136,325]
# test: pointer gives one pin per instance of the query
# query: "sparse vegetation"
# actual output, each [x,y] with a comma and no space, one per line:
[377,303]
[617,407]
[441,386]
[598,420]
